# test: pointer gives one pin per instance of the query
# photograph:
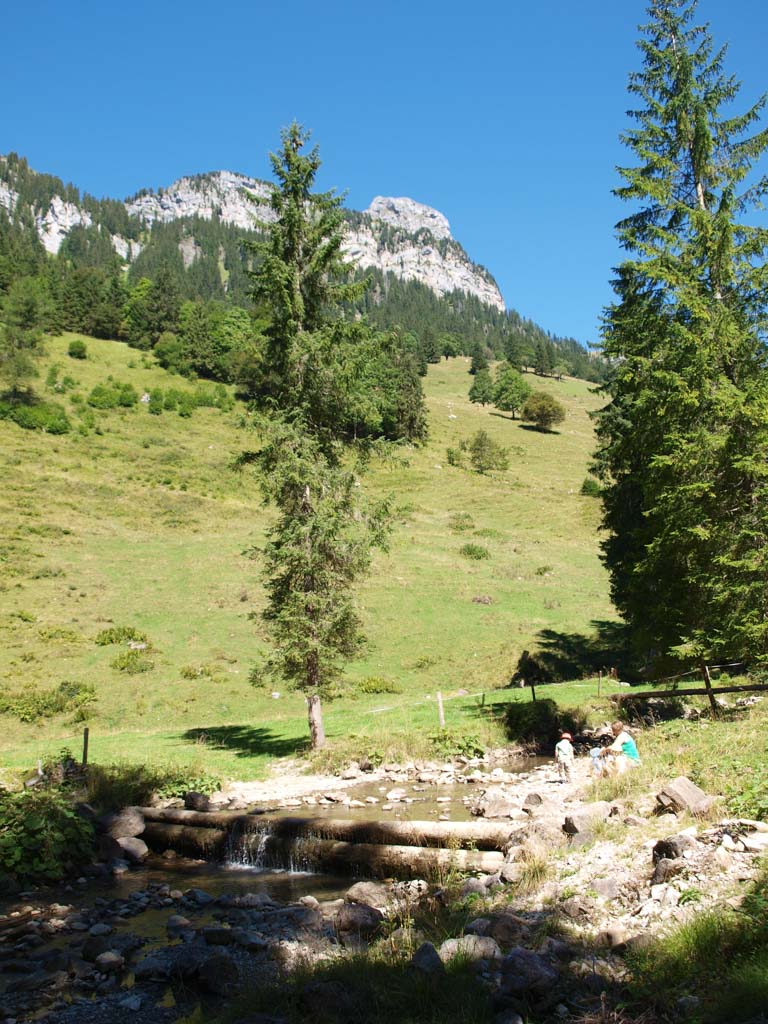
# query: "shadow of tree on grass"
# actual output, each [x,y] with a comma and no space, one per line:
[247,740]
[560,656]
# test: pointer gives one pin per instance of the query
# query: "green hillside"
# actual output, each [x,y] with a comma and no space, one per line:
[134,519]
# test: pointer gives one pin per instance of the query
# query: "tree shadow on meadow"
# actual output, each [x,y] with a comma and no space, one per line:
[247,740]
[560,656]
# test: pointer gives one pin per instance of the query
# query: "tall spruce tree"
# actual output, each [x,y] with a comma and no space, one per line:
[683,438]
[314,378]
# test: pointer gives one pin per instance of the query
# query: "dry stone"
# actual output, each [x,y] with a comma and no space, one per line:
[470,947]
[683,795]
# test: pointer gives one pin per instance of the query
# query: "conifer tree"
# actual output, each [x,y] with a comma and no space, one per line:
[316,377]
[682,440]
[481,390]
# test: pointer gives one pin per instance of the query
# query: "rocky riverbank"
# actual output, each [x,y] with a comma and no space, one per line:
[582,881]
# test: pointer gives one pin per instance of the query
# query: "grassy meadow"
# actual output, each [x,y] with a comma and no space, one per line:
[139,520]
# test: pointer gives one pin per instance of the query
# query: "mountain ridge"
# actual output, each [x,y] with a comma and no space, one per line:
[396,235]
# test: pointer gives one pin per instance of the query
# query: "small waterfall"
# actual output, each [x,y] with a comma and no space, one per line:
[261,848]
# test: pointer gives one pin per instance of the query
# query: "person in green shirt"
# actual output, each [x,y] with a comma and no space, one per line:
[623,750]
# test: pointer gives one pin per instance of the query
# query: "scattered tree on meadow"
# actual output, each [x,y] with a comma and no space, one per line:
[481,390]
[682,440]
[485,454]
[316,378]
[479,360]
[543,410]
[24,312]
[510,389]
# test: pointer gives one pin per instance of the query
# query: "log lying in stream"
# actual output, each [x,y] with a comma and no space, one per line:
[309,853]
[378,860]
[208,843]
[480,835]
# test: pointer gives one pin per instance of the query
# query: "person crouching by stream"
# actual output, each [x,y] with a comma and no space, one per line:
[623,751]
[564,756]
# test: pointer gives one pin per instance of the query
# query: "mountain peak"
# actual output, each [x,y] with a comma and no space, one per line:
[409,215]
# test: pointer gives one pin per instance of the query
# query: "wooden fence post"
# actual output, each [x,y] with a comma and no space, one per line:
[708,683]
[599,682]
[85,746]
[440,710]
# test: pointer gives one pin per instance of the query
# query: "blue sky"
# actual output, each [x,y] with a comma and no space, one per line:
[503,115]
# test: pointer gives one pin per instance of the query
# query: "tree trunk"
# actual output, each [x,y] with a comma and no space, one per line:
[315,718]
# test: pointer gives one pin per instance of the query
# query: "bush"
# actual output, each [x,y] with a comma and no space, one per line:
[476,552]
[486,454]
[132,663]
[41,836]
[32,705]
[112,786]
[458,522]
[45,416]
[447,743]
[119,635]
[591,487]
[543,410]
[113,396]
[377,684]
[77,349]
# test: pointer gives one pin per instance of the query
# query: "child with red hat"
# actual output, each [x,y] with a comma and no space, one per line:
[564,755]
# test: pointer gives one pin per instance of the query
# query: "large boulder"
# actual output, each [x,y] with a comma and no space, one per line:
[427,960]
[124,824]
[524,971]
[583,820]
[358,919]
[194,801]
[683,795]
[470,947]
[495,802]
[371,894]
[134,850]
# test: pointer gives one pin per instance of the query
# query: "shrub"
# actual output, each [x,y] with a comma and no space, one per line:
[197,672]
[77,349]
[156,401]
[543,410]
[46,416]
[377,684]
[454,457]
[113,395]
[112,786]
[132,663]
[32,705]
[476,552]
[591,487]
[119,635]
[447,743]
[41,836]
[458,522]
[486,454]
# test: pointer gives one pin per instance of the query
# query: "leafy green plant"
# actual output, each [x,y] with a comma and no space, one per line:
[119,635]
[41,836]
[132,662]
[447,743]
[45,416]
[377,684]
[475,552]
[77,349]
[458,522]
[32,705]
[590,488]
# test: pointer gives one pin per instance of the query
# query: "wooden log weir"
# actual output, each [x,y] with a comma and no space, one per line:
[476,835]
[400,849]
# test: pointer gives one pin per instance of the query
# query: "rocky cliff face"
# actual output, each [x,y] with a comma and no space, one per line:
[395,235]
